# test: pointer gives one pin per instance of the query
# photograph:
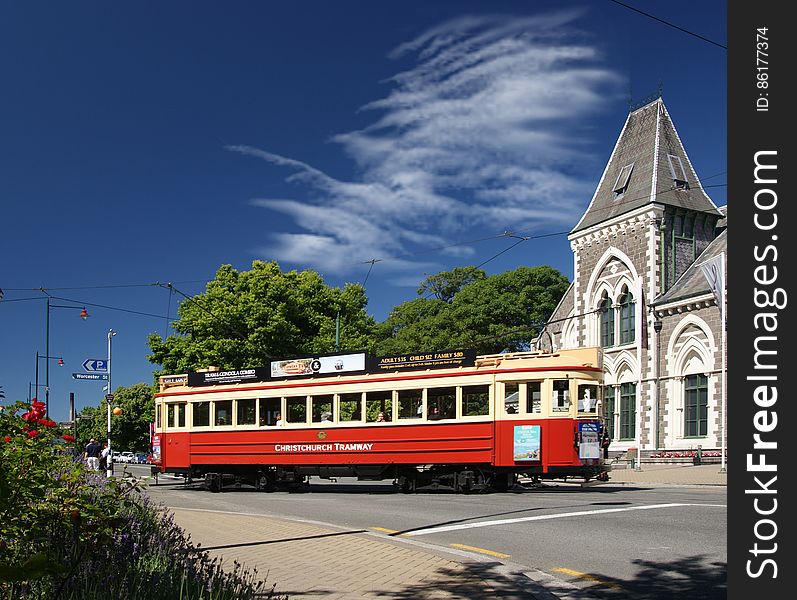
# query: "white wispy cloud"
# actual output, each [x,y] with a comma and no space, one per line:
[484,131]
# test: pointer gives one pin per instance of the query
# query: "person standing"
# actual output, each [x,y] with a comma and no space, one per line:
[104,457]
[92,454]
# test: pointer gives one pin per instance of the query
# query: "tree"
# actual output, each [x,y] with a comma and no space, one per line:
[489,314]
[130,429]
[445,285]
[244,319]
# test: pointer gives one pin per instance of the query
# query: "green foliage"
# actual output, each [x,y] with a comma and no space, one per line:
[488,314]
[245,318]
[445,285]
[130,430]
[69,533]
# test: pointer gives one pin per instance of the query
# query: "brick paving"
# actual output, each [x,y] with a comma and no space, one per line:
[670,474]
[306,560]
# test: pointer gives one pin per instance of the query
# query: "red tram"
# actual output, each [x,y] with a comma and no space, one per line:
[440,420]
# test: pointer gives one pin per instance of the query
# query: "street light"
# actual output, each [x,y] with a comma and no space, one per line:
[83,315]
[39,357]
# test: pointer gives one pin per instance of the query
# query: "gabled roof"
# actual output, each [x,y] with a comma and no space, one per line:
[648,165]
[693,283]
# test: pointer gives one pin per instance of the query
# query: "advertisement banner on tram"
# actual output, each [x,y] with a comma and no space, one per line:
[319,365]
[447,359]
[589,440]
[526,442]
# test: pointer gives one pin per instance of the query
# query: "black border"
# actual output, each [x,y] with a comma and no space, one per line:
[749,131]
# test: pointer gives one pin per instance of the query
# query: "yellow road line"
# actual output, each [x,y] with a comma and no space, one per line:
[586,576]
[383,530]
[481,550]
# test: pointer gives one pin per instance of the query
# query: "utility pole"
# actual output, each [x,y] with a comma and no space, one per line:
[108,400]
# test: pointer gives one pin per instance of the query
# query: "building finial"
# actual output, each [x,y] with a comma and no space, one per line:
[648,99]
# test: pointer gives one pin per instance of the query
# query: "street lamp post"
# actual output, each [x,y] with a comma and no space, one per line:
[108,399]
[46,385]
[83,315]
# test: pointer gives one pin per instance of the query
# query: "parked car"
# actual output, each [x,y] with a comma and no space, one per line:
[141,458]
[124,457]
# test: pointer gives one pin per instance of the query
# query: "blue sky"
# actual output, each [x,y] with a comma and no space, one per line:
[145,143]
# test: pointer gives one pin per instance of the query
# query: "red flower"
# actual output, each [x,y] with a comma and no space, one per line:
[7,439]
[33,433]
[47,422]
[68,438]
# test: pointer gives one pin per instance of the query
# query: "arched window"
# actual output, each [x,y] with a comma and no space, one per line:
[607,321]
[627,309]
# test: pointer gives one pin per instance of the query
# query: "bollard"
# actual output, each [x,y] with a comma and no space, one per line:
[698,456]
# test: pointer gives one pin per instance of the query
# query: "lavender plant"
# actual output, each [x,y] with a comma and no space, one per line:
[69,533]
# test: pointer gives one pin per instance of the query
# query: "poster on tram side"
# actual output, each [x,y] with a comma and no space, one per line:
[526,442]
[589,440]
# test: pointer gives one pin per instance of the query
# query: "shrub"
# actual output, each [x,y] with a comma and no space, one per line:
[68,532]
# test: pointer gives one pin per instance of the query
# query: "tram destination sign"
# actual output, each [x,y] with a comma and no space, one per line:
[446,359]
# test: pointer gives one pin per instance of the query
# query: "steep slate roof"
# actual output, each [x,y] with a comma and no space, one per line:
[693,282]
[645,142]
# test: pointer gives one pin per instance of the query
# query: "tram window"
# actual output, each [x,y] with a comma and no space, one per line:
[475,400]
[378,402]
[588,398]
[444,400]
[269,409]
[297,409]
[350,407]
[534,397]
[561,395]
[410,404]
[158,408]
[175,415]
[511,398]
[246,411]
[321,405]
[223,412]
[201,414]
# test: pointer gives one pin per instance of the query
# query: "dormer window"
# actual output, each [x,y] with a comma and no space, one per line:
[621,184]
[678,172]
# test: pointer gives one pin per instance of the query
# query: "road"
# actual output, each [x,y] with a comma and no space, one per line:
[613,541]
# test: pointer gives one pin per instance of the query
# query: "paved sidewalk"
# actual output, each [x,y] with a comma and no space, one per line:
[669,474]
[308,560]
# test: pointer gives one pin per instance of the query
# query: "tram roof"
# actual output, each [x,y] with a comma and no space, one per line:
[586,358]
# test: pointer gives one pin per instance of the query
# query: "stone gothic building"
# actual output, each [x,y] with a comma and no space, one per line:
[640,292]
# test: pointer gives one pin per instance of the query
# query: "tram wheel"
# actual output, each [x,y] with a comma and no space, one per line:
[408,483]
[500,482]
[213,482]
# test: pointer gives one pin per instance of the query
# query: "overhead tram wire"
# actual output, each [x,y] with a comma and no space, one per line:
[527,328]
[533,237]
[81,302]
[655,18]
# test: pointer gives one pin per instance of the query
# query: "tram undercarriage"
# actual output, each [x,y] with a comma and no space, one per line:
[407,478]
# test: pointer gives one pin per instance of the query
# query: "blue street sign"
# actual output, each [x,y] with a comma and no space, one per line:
[95,364]
[90,376]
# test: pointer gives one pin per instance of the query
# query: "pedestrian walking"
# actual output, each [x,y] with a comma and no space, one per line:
[92,454]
